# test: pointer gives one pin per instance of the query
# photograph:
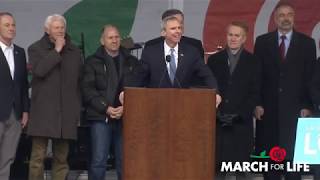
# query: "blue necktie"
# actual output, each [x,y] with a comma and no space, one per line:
[173,66]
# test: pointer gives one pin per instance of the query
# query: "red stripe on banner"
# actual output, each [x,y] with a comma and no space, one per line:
[307,15]
[221,12]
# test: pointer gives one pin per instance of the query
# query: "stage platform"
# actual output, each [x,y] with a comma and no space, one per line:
[111,175]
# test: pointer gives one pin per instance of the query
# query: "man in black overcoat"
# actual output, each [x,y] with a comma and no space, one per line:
[236,71]
[287,60]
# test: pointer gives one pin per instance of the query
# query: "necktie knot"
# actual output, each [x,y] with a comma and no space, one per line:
[172,52]
[283,37]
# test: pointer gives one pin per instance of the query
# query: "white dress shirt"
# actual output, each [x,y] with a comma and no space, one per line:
[167,51]
[8,53]
[286,41]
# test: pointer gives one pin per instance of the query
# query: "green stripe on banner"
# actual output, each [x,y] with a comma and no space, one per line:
[89,16]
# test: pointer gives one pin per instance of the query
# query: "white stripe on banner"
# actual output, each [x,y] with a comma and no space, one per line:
[148,17]
[31,14]
[263,17]
[316,35]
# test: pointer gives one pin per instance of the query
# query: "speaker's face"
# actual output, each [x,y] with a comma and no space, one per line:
[172,32]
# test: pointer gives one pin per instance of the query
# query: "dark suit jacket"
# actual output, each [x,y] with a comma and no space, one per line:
[154,70]
[284,88]
[239,92]
[13,92]
[315,87]
[184,39]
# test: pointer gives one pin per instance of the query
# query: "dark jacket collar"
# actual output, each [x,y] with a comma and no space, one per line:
[101,53]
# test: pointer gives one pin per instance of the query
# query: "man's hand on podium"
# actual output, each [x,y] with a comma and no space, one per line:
[218,100]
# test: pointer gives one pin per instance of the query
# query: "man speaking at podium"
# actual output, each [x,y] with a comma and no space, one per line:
[170,64]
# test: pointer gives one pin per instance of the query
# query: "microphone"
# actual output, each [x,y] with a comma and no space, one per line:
[168,59]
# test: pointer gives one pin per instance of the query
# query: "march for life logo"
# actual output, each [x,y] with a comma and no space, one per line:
[306,152]
[307,147]
[276,155]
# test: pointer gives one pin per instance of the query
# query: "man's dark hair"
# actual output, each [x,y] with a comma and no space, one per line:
[283,4]
[5,14]
[171,12]
[243,25]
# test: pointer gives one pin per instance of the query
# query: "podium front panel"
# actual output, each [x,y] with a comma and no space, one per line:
[168,134]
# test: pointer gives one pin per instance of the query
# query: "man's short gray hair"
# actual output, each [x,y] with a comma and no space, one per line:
[107,26]
[165,20]
[54,17]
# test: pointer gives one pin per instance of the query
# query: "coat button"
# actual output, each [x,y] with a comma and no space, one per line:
[280,90]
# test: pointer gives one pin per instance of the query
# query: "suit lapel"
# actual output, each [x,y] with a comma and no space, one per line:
[16,58]
[293,48]
[275,48]
[240,65]
[225,65]
[162,62]
[4,64]
[181,59]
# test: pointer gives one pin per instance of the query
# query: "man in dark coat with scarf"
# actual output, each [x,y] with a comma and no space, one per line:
[287,59]
[55,100]
[106,73]
[236,71]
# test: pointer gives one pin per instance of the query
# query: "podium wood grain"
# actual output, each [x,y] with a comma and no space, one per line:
[169,134]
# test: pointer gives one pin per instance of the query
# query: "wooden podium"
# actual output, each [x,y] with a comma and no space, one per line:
[169,134]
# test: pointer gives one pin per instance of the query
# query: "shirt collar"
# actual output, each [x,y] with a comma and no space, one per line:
[167,48]
[4,47]
[288,35]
